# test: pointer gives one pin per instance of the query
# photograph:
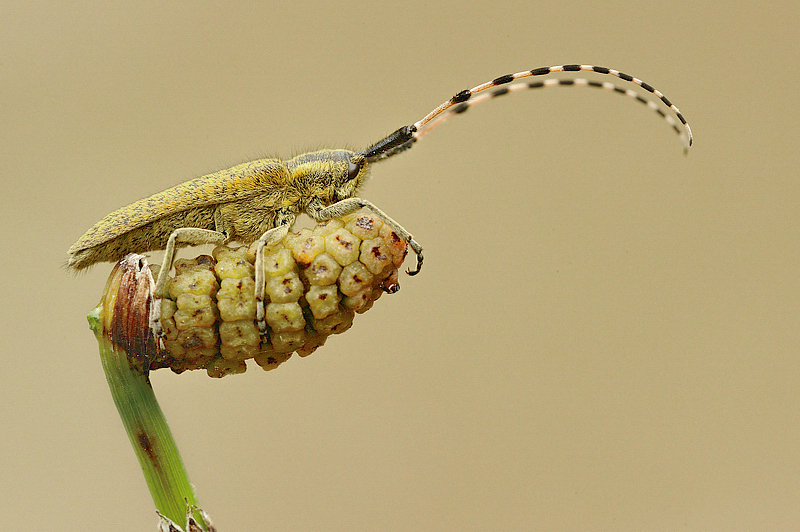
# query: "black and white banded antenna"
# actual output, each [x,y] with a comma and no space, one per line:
[406,136]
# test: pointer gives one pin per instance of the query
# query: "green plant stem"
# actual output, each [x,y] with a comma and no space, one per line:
[147,429]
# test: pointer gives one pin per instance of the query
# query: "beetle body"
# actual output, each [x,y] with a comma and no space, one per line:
[260,200]
[242,203]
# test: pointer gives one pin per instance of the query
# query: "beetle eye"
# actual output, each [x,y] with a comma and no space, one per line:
[352,170]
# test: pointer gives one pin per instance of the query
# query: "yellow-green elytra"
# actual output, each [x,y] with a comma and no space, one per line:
[242,203]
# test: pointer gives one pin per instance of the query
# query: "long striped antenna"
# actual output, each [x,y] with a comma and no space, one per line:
[404,138]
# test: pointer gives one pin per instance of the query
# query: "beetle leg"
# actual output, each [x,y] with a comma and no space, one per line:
[184,235]
[350,205]
[273,235]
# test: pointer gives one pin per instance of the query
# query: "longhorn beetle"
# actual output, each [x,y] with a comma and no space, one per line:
[260,200]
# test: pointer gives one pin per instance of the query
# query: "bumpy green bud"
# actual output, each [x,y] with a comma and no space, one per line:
[316,281]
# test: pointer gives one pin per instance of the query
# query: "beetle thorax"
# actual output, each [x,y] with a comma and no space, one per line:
[324,176]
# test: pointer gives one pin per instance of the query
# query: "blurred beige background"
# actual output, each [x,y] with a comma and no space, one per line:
[632,366]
